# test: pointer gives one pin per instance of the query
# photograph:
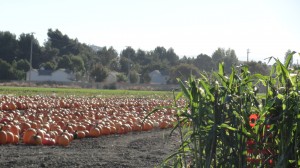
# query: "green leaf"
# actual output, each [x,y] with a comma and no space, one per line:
[288,59]
[221,68]
[184,89]
[206,88]
[227,127]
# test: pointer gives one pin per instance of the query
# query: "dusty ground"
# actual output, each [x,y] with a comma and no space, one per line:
[141,150]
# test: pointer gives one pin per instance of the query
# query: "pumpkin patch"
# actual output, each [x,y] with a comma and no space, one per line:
[51,120]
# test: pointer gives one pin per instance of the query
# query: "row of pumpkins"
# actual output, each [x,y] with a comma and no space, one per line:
[51,120]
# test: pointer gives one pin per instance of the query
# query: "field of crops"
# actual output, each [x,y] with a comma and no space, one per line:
[61,119]
[226,122]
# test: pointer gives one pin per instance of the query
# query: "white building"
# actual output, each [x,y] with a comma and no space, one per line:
[41,75]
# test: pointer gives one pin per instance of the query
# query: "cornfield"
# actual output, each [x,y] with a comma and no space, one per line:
[226,122]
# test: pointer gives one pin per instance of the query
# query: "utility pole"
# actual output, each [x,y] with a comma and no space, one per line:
[30,58]
[248,51]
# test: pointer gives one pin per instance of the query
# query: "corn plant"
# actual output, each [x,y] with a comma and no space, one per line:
[226,123]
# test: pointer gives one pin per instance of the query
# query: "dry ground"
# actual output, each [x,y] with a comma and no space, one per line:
[143,149]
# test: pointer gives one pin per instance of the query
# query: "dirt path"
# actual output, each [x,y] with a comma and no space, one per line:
[144,149]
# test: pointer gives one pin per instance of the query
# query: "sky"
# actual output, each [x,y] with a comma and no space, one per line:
[191,27]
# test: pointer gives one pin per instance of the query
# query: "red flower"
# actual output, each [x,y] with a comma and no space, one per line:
[252,120]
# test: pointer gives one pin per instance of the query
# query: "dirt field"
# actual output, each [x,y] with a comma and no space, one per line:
[141,150]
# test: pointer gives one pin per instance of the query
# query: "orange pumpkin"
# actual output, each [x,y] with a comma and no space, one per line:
[63,140]
[15,129]
[28,134]
[105,130]
[9,137]
[3,137]
[94,132]
[35,140]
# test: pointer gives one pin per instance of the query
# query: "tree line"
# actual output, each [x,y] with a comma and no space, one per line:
[92,63]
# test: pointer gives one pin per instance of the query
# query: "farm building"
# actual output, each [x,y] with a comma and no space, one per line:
[42,75]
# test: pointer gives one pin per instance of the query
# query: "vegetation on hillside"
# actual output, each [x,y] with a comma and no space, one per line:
[92,63]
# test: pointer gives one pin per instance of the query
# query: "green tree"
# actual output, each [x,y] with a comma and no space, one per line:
[258,67]
[134,77]
[107,55]
[5,70]
[8,46]
[145,78]
[77,64]
[49,65]
[204,63]
[99,73]
[183,71]
[172,57]
[64,62]
[22,65]
[218,56]
[160,53]
[24,49]
[48,53]
[115,65]
[142,57]
[63,43]
[121,77]
[230,60]
[128,53]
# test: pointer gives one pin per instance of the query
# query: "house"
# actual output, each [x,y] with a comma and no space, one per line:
[42,75]
[157,78]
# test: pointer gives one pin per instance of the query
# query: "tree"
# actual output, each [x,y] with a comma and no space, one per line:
[160,53]
[125,65]
[121,77]
[64,62]
[218,56]
[172,57]
[77,64]
[258,67]
[128,53]
[115,65]
[8,46]
[134,77]
[230,59]
[63,43]
[22,65]
[204,63]
[227,56]
[24,49]
[49,65]
[142,58]
[5,70]
[99,73]
[145,78]
[105,56]
[183,71]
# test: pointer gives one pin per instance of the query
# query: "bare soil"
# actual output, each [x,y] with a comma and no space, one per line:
[136,149]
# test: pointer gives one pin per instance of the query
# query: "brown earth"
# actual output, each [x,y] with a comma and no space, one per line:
[136,149]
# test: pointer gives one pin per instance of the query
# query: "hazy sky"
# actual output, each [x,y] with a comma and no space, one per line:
[190,27]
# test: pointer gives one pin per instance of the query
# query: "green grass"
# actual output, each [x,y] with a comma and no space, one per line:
[6,90]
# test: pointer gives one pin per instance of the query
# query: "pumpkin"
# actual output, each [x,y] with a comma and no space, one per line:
[63,140]
[3,137]
[28,134]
